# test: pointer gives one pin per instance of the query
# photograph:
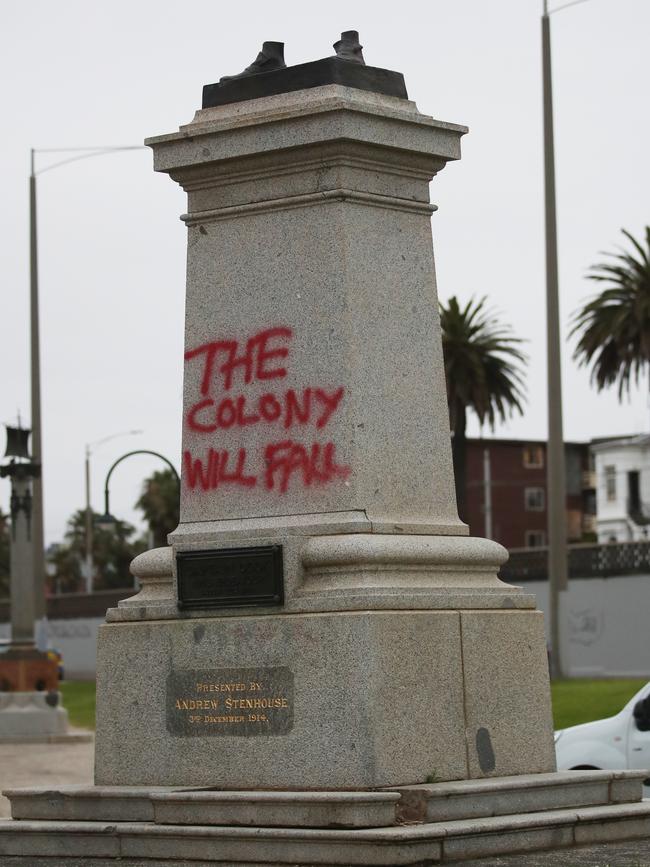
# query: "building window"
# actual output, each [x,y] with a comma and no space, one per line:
[535,538]
[610,483]
[534,499]
[533,457]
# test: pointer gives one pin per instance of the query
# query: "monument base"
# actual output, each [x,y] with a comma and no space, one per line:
[339,700]
[416,825]
[32,716]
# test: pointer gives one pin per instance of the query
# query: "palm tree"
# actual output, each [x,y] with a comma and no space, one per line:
[113,551]
[614,326]
[160,504]
[483,372]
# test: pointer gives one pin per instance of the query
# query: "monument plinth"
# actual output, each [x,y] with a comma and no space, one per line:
[323,668]
[330,623]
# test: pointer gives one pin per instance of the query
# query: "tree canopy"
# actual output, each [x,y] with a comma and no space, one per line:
[613,327]
[113,550]
[160,504]
[484,372]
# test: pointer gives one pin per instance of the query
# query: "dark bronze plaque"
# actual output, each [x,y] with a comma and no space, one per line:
[241,702]
[230,577]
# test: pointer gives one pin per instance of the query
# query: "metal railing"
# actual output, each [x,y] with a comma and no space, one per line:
[585,561]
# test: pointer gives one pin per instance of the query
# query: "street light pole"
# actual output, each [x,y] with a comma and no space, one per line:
[555,469]
[90,566]
[38,536]
[555,459]
[38,543]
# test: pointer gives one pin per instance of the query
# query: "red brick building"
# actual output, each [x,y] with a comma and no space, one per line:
[517,473]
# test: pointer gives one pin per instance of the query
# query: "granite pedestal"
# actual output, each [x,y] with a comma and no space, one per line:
[392,693]
[315,422]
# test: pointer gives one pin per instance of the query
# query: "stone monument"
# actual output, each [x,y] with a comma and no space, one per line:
[323,668]
[321,572]
[30,702]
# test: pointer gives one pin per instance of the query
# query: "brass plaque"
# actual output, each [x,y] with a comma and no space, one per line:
[230,577]
[240,702]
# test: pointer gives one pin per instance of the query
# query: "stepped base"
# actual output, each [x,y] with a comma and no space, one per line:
[32,717]
[414,825]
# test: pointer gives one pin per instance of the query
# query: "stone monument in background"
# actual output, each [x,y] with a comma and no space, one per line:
[323,668]
[30,701]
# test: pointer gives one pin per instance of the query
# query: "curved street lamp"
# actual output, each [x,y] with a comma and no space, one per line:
[38,545]
[89,565]
[107,520]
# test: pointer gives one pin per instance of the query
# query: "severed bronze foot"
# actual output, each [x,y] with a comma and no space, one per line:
[348,47]
[270,58]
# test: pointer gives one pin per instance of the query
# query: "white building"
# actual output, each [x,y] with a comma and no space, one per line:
[623,488]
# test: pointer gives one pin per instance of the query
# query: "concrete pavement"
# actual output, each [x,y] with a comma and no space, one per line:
[44,765]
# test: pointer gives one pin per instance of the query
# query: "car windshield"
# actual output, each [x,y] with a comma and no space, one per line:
[642,693]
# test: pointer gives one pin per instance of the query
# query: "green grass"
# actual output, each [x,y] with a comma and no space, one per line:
[579,701]
[574,701]
[79,701]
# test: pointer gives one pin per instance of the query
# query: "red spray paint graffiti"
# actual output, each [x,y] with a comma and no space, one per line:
[229,366]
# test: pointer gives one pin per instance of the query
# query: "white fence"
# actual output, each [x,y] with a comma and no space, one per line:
[605,625]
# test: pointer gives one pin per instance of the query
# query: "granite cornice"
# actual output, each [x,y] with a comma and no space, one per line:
[316,158]
[314,124]
[303,103]
[307,200]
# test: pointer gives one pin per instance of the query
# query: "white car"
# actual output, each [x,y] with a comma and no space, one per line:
[621,742]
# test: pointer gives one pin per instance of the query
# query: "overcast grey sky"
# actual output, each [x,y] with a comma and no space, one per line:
[112,250]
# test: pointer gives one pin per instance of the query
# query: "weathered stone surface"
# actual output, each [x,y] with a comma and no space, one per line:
[153,571]
[506,678]
[609,823]
[96,843]
[378,701]
[84,803]
[372,716]
[524,793]
[626,786]
[358,571]
[277,809]
[384,847]
[307,213]
[622,854]
[58,839]
[505,840]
